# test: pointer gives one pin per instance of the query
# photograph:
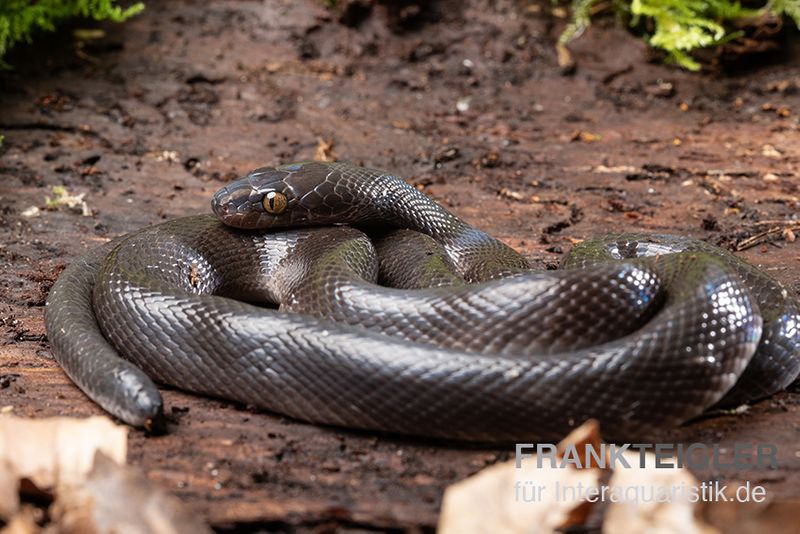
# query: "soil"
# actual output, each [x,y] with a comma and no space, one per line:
[466,100]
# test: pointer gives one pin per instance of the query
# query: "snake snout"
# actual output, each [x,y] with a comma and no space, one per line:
[231,203]
[220,202]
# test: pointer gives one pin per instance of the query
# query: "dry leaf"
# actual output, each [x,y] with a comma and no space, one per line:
[508,193]
[33,211]
[80,463]
[772,517]
[9,495]
[677,515]
[63,198]
[586,137]
[602,169]
[22,523]
[504,500]
[121,499]
[324,150]
[490,501]
[770,152]
[58,451]
[565,60]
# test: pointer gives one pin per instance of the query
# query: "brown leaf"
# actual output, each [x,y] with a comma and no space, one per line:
[504,499]
[117,498]
[508,193]
[324,150]
[60,450]
[78,464]
[677,514]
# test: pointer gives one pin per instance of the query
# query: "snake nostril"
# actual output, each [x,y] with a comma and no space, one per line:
[220,203]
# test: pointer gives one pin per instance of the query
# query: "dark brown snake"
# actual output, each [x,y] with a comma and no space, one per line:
[460,340]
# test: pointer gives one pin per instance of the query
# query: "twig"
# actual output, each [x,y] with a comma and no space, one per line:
[765,235]
[776,221]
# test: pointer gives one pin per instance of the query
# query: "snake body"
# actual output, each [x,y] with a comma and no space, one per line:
[468,343]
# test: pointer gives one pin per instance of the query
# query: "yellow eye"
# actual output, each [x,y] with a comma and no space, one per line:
[274,202]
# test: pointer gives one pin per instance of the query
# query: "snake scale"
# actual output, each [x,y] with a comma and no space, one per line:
[423,325]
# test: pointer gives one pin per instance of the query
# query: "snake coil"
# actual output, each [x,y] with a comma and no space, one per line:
[432,329]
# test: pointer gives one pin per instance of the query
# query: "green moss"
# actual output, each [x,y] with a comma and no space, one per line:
[581,15]
[21,19]
[679,26]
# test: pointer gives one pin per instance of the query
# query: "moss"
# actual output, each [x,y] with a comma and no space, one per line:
[21,19]
[680,26]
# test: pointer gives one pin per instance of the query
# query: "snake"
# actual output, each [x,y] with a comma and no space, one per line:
[344,296]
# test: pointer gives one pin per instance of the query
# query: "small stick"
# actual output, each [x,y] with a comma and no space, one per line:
[758,238]
[789,223]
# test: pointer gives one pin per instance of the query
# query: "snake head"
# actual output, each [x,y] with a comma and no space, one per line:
[265,198]
[298,194]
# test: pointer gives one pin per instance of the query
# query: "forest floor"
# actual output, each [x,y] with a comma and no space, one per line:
[467,101]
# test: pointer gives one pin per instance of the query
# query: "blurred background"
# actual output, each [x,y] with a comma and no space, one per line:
[541,123]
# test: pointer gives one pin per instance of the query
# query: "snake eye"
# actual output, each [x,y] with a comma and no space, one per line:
[274,202]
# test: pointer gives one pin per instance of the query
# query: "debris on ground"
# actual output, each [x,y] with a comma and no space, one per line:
[63,198]
[505,499]
[70,475]
[635,493]
[324,151]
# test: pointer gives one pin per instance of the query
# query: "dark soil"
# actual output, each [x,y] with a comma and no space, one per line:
[466,100]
